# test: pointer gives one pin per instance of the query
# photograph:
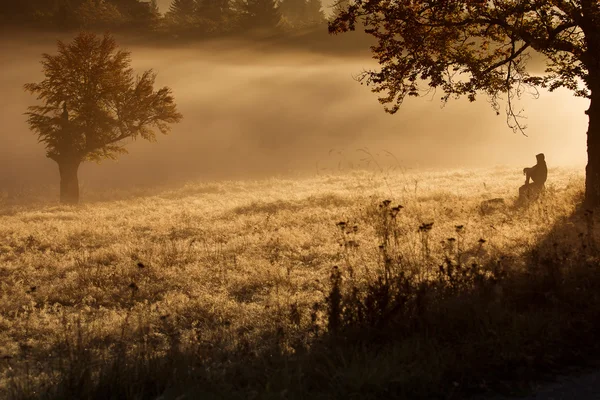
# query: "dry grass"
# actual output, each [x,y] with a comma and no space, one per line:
[221,289]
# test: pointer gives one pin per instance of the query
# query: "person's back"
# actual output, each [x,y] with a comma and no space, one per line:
[539,172]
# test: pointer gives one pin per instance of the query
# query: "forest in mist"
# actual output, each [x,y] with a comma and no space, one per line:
[255,109]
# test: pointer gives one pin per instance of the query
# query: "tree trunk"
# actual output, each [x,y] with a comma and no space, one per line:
[69,183]
[592,62]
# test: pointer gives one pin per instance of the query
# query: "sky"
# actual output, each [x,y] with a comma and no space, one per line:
[253,112]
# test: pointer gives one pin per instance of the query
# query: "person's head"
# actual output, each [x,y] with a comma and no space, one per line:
[540,158]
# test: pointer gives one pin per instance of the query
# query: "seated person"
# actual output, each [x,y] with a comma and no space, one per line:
[538,175]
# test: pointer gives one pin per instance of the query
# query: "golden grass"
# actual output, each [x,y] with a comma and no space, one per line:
[225,264]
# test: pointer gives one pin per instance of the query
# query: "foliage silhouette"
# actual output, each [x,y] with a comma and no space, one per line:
[468,47]
[92,102]
[301,13]
[261,14]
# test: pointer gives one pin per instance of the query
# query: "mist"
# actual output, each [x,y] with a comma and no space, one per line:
[252,110]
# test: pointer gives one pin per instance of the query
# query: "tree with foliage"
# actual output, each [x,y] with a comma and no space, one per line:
[294,11]
[314,12]
[338,7]
[17,11]
[182,15]
[132,8]
[182,9]
[466,47]
[262,14]
[302,13]
[91,103]
[30,12]
[98,14]
[213,15]
[139,14]
[66,14]
[154,13]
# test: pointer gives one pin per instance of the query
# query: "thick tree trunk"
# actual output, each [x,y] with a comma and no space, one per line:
[592,171]
[591,60]
[69,182]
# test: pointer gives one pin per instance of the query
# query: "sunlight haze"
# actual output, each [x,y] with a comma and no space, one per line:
[230,212]
[253,112]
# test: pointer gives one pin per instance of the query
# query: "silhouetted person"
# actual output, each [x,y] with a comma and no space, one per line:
[537,175]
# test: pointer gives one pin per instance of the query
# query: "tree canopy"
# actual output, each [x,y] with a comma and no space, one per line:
[92,102]
[467,47]
[261,14]
[302,13]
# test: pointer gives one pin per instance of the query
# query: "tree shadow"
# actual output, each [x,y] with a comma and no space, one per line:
[554,302]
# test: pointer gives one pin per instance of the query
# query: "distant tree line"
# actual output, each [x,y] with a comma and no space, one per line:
[184,17]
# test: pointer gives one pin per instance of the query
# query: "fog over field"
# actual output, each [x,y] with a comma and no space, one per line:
[289,238]
[253,110]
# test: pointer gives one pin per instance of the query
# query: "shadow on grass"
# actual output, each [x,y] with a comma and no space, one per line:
[467,329]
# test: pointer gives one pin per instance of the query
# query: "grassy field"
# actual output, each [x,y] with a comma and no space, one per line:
[295,288]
